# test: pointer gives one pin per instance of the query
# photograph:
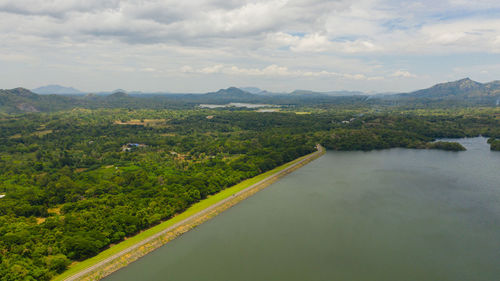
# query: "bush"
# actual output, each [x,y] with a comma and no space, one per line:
[445,145]
[495,145]
[57,263]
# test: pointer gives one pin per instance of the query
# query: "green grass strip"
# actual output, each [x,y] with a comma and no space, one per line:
[195,208]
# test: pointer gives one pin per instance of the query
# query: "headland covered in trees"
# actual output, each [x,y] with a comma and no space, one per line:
[76,180]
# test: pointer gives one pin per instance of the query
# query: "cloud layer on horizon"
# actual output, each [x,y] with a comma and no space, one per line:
[199,45]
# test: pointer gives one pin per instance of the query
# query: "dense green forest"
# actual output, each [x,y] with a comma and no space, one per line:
[75,182]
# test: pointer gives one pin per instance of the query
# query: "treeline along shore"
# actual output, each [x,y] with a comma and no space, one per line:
[231,197]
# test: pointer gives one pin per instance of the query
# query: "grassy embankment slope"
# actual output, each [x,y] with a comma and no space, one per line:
[194,209]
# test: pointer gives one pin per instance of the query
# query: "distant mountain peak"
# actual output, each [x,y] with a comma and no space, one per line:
[23,92]
[231,91]
[251,90]
[466,80]
[118,94]
[465,84]
[56,89]
[21,89]
[463,88]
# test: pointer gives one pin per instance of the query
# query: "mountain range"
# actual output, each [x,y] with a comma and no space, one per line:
[461,92]
[61,90]
[461,88]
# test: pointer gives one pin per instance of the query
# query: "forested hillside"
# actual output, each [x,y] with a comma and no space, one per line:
[21,100]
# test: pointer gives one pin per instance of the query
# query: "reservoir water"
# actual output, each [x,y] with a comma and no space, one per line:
[396,214]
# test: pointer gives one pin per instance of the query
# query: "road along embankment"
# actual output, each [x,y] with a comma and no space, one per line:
[121,259]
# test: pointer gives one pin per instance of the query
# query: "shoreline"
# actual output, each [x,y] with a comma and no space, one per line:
[105,267]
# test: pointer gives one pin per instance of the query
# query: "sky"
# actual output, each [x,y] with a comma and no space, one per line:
[278,45]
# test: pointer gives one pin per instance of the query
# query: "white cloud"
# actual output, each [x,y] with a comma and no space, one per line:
[303,26]
[56,8]
[311,43]
[359,46]
[211,69]
[321,40]
[274,70]
[404,74]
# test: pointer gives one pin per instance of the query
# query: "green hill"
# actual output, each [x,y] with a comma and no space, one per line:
[20,100]
[462,91]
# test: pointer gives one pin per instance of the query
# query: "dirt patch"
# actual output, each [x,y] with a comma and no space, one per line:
[42,133]
[56,210]
[142,122]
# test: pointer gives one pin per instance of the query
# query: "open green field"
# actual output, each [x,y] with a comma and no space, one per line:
[195,208]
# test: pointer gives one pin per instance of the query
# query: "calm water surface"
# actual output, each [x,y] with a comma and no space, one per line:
[394,214]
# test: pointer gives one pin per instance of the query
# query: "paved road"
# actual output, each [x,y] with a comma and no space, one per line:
[203,212]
